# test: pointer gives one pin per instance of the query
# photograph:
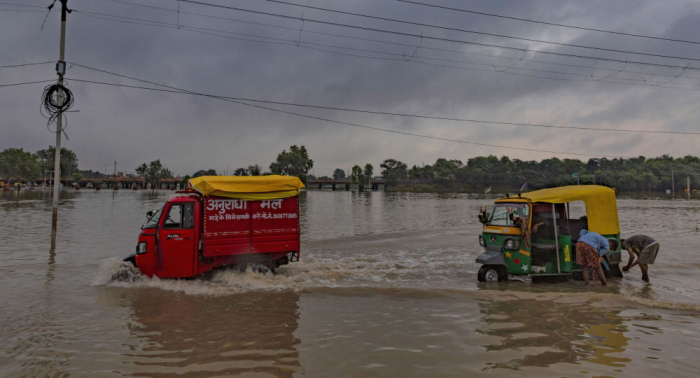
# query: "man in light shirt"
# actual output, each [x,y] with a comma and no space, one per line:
[589,248]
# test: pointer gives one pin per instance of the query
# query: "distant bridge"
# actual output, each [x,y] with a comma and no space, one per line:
[116,183]
[343,184]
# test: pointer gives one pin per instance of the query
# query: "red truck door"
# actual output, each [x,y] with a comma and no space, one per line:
[176,246]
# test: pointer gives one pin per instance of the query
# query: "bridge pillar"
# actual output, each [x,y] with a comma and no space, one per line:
[333,186]
[320,186]
[347,186]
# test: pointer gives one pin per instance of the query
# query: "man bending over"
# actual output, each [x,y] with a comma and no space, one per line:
[645,248]
[591,245]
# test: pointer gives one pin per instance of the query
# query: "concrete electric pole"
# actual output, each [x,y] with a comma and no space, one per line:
[61,70]
[673,185]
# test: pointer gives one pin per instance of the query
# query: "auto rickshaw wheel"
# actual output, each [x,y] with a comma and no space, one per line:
[615,271]
[492,273]
[259,264]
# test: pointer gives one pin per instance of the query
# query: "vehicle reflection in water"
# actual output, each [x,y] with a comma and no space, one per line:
[531,333]
[178,334]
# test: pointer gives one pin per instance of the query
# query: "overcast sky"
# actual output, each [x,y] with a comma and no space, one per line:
[287,60]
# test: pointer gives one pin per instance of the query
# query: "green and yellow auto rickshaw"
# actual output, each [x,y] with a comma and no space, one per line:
[535,233]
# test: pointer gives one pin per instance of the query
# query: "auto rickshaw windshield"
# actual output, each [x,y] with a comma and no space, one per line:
[152,222]
[500,215]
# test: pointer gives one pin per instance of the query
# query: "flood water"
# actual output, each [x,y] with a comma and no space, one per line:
[386,287]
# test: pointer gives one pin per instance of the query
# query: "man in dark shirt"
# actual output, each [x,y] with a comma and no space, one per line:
[646,250]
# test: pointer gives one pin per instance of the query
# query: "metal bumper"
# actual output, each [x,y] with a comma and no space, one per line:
[492,257]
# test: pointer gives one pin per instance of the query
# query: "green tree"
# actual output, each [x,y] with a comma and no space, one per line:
[368,172]
[425,172]
[296,162]
[240,172]
[202,172]
[393,170]
[69,161]
[357,175]
[153,173]
[338,174]
[16,163]
[254,170]
[446,170]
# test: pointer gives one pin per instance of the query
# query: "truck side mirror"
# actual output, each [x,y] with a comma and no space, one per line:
[149,214]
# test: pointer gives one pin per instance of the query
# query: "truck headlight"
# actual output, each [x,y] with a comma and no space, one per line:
[512,244]
[482,242]
[141,248]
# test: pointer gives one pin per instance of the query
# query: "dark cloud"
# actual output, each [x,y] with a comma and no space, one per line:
[190,133]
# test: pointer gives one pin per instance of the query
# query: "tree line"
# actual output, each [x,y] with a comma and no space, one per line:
[358,175]
[503,174]
[18,164]
[295,162]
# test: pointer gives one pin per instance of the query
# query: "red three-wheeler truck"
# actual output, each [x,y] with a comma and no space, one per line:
[222,221]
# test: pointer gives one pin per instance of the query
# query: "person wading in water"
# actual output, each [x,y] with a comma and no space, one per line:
[589,248]
[645,248]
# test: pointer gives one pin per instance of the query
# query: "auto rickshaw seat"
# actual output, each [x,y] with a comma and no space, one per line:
[543,253]
[575,227]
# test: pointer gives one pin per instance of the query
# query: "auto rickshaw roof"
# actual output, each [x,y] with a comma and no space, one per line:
[248,188]
[601,204]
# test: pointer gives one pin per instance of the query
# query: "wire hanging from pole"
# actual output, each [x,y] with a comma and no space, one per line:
[50,104]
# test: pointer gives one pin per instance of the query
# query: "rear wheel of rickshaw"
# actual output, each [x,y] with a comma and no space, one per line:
[257,263]
[492,273]
[615,271]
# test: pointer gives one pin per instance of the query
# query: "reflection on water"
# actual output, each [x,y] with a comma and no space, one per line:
[206,336]
[548,332]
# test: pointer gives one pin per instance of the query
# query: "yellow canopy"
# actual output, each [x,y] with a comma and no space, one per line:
[601,204]
[248,188]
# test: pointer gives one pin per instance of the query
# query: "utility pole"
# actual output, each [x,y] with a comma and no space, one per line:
[61,70]
[687,178]
[114,177]
[673,185]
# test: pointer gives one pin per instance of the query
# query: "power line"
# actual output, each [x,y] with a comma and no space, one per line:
[22,10]
[408,115]
[548,23]
[22,5]
[505,70]
[457,29]
[419,36]
[27,83]
[389,42]
[183,91]
[25,64]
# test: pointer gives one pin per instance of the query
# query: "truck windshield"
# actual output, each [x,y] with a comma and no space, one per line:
[500,215]
[153,221]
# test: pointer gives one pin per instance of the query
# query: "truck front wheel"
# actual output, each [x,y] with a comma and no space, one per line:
[492,273]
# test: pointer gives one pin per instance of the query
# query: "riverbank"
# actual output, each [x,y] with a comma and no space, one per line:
[499,191]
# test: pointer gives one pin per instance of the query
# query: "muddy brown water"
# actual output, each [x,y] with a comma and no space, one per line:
[386,287]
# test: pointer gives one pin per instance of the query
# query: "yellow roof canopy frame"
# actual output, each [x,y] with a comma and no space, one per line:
[247,188]
[601,204]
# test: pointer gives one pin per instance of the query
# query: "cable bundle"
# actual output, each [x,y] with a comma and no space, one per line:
[50,105]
